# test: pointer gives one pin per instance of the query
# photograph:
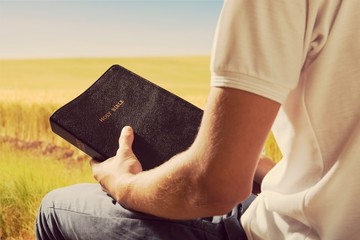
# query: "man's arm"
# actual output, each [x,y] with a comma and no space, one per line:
[265,164]
[209,178]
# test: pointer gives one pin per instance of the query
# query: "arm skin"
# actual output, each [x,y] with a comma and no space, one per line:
[209,178]
[264,166]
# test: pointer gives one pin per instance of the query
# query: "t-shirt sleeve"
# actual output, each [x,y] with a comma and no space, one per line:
[259,46]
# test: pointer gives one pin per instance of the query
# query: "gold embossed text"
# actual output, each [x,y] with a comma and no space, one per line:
[113,109]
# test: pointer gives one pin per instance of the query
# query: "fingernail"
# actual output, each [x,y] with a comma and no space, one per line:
[126,129]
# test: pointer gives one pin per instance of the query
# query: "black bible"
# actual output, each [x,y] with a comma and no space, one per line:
[164,124]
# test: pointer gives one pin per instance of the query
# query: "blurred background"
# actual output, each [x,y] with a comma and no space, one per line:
[52,50]
[65,28]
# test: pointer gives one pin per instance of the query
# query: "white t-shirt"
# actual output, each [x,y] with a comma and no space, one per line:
[305,55]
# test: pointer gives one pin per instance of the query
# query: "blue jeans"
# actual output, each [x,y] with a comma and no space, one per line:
[84,211]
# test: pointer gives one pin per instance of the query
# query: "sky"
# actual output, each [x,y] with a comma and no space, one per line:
[104,28]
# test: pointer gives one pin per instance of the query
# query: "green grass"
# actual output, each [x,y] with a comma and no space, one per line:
[25,179]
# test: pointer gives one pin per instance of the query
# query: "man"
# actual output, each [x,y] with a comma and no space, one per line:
[292,62]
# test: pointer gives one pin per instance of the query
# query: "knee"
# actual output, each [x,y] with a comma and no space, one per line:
[43,224]
[47,225]
[56,198]
[49,202]
[48,199]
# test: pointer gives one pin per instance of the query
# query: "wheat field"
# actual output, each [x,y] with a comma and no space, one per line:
[33,160]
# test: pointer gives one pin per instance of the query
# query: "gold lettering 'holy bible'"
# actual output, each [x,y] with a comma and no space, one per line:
[164,124]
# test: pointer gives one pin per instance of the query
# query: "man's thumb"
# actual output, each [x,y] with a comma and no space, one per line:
[126,138]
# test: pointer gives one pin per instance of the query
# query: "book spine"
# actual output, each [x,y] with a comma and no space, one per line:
[62,132]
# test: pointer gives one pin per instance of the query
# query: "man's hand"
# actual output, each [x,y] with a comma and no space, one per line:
[207,179]
[115,173]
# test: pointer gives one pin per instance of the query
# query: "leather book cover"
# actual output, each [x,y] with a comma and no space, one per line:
[164,124]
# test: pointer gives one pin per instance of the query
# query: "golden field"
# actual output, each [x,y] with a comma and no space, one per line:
[33,160]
